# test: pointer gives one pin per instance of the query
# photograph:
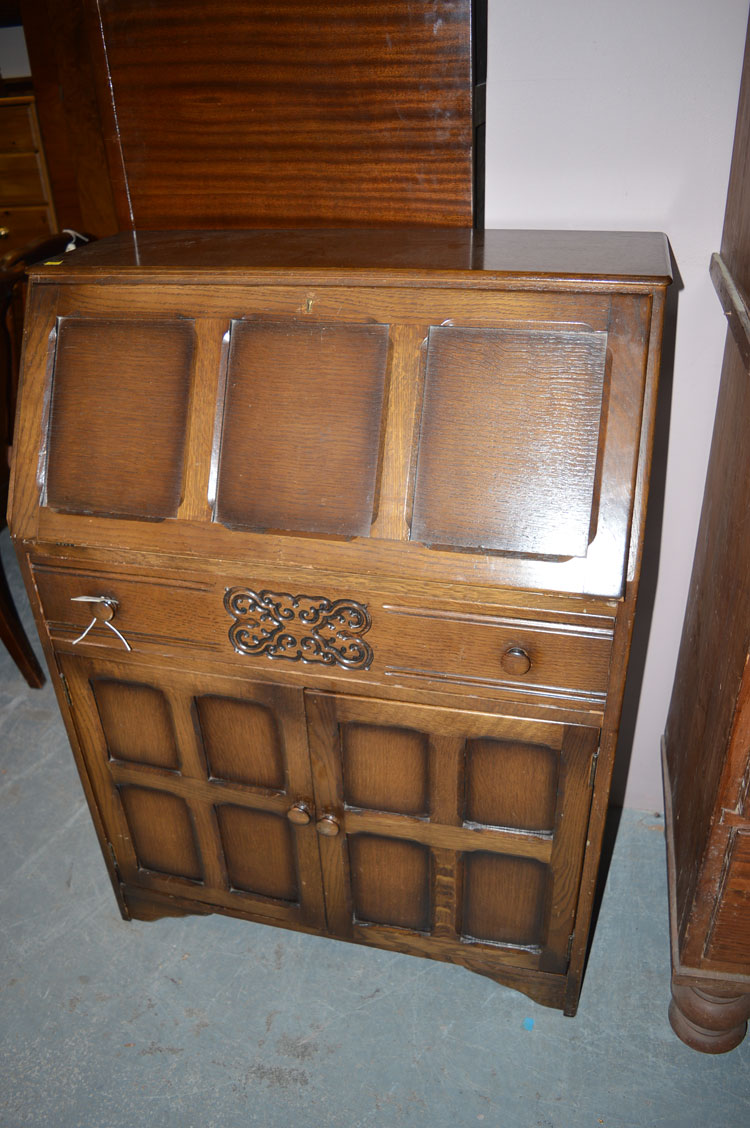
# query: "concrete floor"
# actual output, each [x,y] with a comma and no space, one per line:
[216,1023]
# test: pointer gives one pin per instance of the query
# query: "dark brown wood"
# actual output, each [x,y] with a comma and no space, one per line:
[351,730]
[562,259]
[69,119]
[233,118]
[306,397]
[140,395]
[26,208]
[707,737]
[176,116]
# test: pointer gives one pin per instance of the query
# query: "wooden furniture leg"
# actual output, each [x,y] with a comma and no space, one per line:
[14,637]
[714,1021]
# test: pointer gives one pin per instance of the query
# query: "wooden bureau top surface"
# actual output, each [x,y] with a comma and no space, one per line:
[460,256]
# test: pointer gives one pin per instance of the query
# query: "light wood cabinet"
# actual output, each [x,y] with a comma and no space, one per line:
[333,540]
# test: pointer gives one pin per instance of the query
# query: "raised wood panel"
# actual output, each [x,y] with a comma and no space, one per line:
[513,916]
[385,768]
[162,832]
[302,416]
[258,852]
[137,723]
[391,882]
[241,742]
[511,784]
[335,114]
[117,418]
[509,440]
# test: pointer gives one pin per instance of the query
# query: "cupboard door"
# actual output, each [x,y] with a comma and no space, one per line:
[204,788]
[442,830]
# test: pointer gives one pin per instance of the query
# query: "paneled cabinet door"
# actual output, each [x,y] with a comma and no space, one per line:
[457,835]
[203,784]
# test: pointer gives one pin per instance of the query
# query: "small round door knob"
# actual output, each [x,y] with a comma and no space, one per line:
[299,813]
[327,826]
[515,661]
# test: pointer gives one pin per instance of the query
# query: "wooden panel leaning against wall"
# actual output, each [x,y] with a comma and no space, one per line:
[363,709]
[330,118]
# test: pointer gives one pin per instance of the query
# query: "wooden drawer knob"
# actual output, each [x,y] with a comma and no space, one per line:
[4,232]
[515,661]
[299,813]
[327,826]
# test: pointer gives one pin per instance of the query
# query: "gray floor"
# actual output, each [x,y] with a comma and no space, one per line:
[212,1023]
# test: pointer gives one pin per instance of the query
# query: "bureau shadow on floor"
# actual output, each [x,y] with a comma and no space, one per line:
[647,591]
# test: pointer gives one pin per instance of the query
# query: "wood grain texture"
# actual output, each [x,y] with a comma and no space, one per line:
[706,747]
[509,439]
[125,379]
[390,882]
[26,208]
[515,918]
[137,723]
[235,118]
[699,721]
[241,742]
[301,416]
[70,123]
[726,942]
[605,259]
[162,832]
[735,240]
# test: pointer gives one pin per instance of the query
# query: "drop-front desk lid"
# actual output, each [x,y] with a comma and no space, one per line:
[445,404]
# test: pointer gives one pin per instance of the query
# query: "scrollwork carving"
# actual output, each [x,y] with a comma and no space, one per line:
[299,627]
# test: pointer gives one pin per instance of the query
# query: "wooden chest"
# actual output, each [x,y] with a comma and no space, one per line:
[333,540]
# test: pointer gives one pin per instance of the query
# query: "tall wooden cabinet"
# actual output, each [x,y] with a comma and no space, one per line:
[707,738]
[333,540]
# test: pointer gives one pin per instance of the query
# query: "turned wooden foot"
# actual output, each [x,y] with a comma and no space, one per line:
[713,1022]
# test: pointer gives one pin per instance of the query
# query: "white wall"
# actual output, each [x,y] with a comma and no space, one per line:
[14,61]
[603,114]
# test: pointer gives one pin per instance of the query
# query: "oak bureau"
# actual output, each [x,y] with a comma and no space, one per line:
[333,540]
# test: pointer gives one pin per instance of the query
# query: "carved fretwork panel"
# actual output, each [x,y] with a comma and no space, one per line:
[299,628]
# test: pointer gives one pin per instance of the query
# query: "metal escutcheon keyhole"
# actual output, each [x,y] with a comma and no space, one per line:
[103,609]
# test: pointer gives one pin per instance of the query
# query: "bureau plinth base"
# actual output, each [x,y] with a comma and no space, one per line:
[712,1022]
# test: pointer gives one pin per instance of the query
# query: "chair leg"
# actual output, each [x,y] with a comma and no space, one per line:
[14,637]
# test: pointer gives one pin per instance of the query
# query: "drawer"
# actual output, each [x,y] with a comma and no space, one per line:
[16,127]
[23,225]
[21,179]
[487,650]
[351,634]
